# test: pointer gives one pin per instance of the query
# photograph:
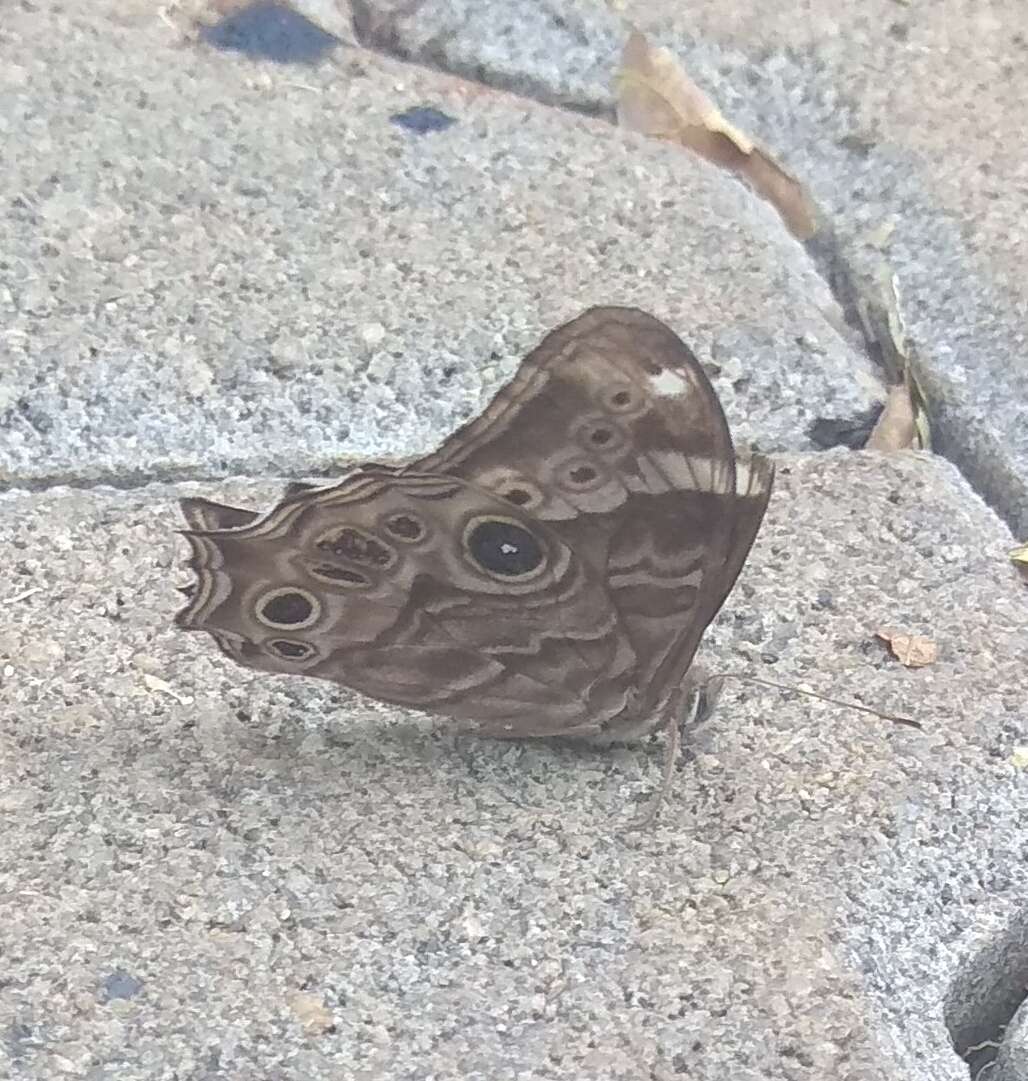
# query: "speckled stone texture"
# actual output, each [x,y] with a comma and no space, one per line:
[897,116]
[1012,1059]
[217,266]
[210,872]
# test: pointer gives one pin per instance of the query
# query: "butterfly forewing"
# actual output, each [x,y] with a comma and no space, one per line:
[381,583]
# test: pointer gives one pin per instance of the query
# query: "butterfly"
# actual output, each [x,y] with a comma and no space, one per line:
[549,570]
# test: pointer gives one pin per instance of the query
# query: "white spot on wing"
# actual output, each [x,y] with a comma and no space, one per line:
[668,384]
[670,470]
[691,472]
[751,479]
[743,475]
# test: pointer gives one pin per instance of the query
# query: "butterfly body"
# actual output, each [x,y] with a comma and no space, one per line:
[549,570]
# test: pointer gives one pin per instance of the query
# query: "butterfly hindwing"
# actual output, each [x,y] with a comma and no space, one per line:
[613,431]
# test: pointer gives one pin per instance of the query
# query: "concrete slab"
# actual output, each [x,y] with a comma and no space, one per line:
[1012,1057]
[896,117]
[210,872]
[212,265]
[223,266]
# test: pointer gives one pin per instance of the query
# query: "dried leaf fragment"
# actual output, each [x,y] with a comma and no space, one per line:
[896,428]
[911,650]
[161,686]
[656,97]
[1019,557]
[311,1012]
[904,423]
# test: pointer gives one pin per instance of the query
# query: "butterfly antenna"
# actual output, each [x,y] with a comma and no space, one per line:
[895,718]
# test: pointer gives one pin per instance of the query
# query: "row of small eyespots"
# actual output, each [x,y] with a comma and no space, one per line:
[581,474]
[362,547]
[502,548]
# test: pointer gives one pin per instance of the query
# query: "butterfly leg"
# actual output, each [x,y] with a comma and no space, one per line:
[699,695]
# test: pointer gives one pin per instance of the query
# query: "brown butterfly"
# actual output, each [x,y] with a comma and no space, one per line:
[548,571]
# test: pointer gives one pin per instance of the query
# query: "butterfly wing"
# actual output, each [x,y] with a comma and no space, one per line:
[417,589]
[612,434]
[549,569]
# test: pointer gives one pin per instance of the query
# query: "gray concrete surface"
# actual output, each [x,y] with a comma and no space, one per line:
[227,250]
[1012,1057]
[223,874]
[897,117]
[214,266]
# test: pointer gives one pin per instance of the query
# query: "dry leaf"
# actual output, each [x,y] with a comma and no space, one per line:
[1019,555]
[311,1012]
[920,406]
[657,98]
[904,423]
[896,428]
[911,650]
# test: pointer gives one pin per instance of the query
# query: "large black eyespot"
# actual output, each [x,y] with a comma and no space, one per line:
[502,547]
[289,607]
[356,546]
[291,651]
